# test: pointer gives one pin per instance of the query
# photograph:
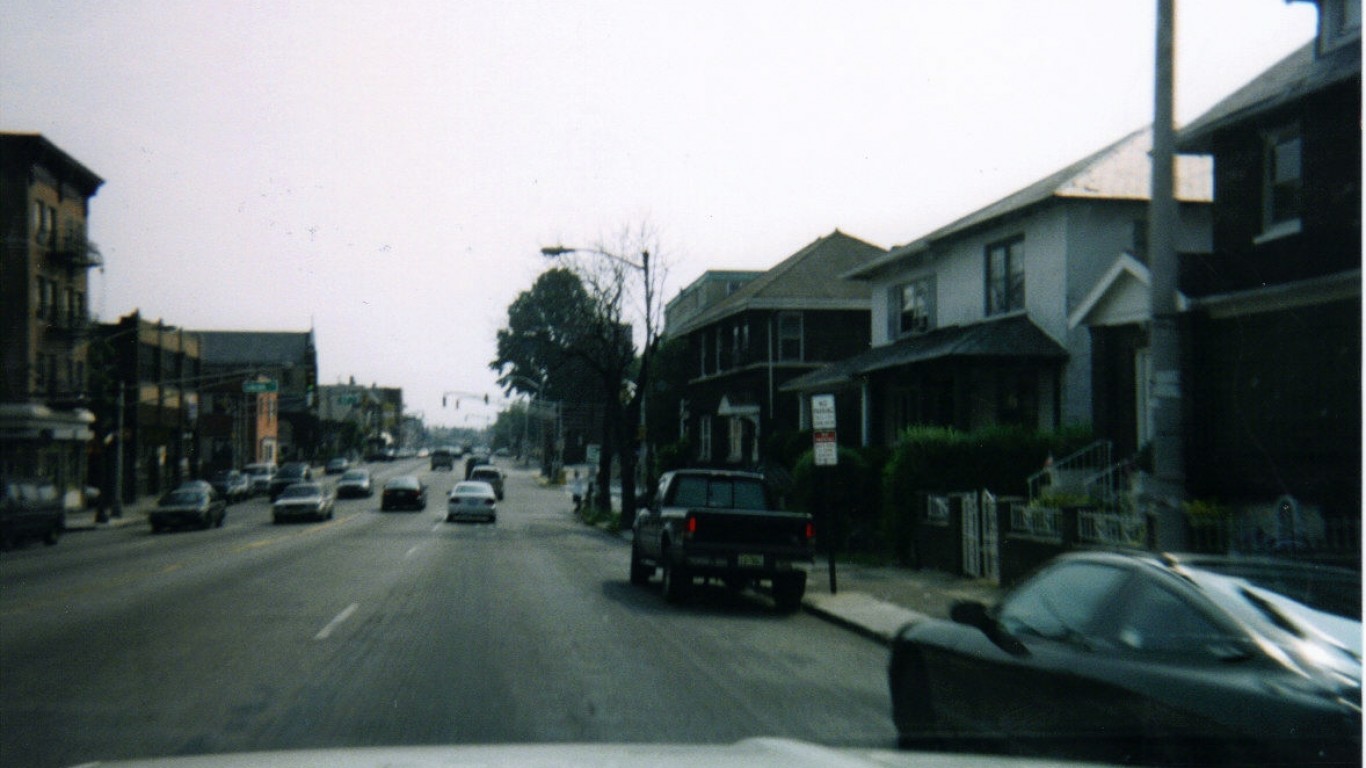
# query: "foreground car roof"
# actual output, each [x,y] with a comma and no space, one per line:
[751,753]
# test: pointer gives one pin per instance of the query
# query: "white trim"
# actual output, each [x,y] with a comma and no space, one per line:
[1279,230]
[1125,264]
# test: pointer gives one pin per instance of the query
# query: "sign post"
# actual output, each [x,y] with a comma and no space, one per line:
[825,449]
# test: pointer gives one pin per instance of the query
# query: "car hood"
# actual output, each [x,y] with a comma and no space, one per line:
[751,753]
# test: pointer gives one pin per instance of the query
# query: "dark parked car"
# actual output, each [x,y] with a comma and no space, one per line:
[336,466]
[1141,657]
[188,505]
[232,485]
[403,492]
[289,474]
[30,509]
[309,500]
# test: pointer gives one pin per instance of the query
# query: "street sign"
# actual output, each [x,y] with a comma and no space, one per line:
[823,413]
[826,449]
[260,386]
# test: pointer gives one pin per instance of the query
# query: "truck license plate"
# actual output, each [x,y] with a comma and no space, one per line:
[750,561]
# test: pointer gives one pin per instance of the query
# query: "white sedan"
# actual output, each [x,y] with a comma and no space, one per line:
[472,500]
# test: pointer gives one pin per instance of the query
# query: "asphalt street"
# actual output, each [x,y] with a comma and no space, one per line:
[392,628]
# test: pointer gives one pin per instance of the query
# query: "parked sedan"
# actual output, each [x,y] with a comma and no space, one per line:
[30,507]
[1149,658]
[309,500]
[472,500]
[354,483]
[403,492]
[232,485]
[261,474]
[336,466]
[188,505]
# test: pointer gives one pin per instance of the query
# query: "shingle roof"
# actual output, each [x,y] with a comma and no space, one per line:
[1292,78]
[1015,336]
[808,279]
[255,347]
[1121,171]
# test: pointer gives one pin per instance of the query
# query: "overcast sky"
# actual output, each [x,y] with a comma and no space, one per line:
[386,172]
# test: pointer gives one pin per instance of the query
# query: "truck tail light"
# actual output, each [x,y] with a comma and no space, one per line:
[690,526]
[810,531]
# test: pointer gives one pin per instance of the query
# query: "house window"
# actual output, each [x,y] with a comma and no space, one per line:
[1282,185]
[1017,401]
[737,440]
[912,307]
[1340,23]
[704,439]
[1005,277]
[789,336]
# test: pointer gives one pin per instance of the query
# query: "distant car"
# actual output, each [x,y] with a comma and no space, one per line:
[443,458]
[188,505]
[30,508]
[309,500]
[336,466]
[354,483]
[487,473]
[289,474]
[1145,657]
[474,460]
[232,485]
[261,474]
[472,500]
[403,492]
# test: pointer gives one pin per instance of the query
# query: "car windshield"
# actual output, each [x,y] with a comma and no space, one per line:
[301,491]
[652,373]
[180,498]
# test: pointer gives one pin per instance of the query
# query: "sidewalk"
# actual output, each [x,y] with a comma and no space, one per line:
[876,601]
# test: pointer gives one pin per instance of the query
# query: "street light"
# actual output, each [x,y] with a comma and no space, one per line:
[643,266]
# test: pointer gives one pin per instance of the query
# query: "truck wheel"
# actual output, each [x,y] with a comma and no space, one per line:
[640,572]
[788,591]
[677,582]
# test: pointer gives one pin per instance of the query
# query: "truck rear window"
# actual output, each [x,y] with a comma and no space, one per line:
[719,493]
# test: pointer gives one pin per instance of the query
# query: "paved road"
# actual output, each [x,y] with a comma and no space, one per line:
[398,628]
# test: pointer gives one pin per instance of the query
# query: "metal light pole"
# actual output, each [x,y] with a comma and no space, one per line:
[1165,398]
[628,504]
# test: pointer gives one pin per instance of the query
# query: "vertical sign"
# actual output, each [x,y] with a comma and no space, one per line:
[823,430]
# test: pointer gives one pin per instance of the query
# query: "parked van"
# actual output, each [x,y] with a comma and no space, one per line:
[30,509]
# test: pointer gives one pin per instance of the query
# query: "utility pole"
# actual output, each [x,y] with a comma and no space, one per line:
[1165,398]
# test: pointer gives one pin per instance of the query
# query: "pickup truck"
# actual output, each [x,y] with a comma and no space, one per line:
[722,524]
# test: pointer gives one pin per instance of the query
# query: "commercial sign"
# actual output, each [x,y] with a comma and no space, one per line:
[260,386]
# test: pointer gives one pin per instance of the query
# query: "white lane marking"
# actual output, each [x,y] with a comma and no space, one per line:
[412,550]
[438,526]
[336,622]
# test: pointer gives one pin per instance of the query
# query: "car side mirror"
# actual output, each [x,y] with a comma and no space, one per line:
[971,613]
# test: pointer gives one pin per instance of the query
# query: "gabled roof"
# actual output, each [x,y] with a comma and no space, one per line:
[1014,336]
[808,279]
[1298,75]
[1121,171]
[256,347]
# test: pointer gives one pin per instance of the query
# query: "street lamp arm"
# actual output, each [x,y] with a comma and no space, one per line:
[555,251]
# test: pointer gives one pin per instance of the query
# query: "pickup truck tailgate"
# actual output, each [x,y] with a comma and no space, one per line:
[738,527]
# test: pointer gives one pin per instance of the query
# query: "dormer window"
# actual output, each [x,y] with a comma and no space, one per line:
[1005,276]
[1282,183]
